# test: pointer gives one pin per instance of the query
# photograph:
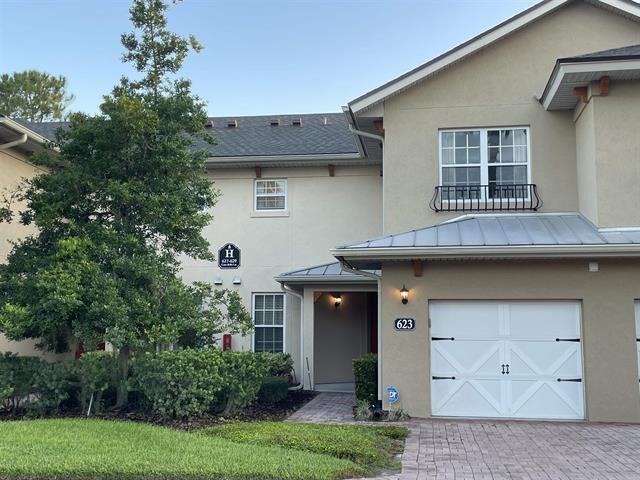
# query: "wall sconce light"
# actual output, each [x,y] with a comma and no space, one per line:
[404,295]
[337,299]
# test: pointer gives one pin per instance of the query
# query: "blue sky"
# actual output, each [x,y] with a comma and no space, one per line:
[260,57]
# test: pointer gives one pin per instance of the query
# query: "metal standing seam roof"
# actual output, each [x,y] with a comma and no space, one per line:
[318,134]
[621,53]
[327,272]
[486,230]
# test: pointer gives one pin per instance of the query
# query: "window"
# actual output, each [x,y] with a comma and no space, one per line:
[270,195]
[268,322]
[497,158]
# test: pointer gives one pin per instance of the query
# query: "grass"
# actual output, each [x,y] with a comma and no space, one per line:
[101,449]
[372,448]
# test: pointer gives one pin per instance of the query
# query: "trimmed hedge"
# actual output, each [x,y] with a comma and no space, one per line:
[365,370]
[277,364]
[188,383]
[273,389]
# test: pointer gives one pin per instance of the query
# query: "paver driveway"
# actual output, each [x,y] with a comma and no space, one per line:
[497,450]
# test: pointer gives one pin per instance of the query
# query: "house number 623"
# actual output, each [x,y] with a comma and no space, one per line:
[405,323]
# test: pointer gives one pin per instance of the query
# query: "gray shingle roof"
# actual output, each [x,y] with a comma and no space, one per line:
[621,53]
[319,134]
[536,229]
[327,271]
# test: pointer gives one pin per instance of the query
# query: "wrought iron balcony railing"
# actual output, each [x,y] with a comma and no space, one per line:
[485,198]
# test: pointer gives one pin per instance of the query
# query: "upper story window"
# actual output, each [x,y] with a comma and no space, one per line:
[482,164]
[270,195]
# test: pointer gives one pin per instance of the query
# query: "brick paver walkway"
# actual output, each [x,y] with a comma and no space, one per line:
[501,450]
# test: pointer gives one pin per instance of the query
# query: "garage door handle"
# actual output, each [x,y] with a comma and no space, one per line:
[443,338]
[443,378]
[569,379]
[567,340]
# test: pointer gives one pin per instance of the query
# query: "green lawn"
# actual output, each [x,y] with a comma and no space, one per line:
[100,449]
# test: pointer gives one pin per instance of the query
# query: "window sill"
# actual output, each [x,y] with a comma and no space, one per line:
[269,214]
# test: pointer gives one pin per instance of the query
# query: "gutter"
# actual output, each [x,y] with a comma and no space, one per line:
[309,279]
[250,160]
[347,267]
[16,127]
[514,251]
[366,134]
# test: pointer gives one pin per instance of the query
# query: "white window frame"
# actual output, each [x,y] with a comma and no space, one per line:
[484,157]
[284,319]
[256,195]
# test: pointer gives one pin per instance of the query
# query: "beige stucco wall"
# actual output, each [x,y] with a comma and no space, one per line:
[608,324]
[14,167]
[341,334]
[616,123]
[323,212]
[586,163]
[496,87]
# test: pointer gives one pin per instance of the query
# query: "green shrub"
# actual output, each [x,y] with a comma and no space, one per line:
[96,372]
[242,376]
[273,389]
[32,384]
[183,383]
[365,370]
[277,364]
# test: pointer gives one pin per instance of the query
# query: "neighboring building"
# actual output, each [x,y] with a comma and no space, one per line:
[503,278]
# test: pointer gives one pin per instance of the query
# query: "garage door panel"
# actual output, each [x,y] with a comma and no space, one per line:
[455,397]
[544,358]
[546,399]
[522,337]
[464,320]
[465,357]
[543,320]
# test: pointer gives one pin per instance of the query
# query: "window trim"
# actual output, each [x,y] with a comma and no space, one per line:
[284,319]
[270,210]
[484,157]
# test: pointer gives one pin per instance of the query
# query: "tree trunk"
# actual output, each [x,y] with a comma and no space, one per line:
[123,369]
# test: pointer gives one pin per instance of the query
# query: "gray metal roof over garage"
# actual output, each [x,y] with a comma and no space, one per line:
[535,229]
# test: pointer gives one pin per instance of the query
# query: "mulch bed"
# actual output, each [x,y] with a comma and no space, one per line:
[254,412]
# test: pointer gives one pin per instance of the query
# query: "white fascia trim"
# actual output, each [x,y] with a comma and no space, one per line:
[253,159]
[376,96]
[514,251]
[584,67]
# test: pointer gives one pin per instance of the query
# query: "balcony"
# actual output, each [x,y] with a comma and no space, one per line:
[486,198]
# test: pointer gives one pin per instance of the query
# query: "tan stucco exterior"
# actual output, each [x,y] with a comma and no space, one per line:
[608,322]
[498,86]
[608,148]
[323,212]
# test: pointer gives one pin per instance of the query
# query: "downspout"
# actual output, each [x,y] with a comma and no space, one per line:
[347,267]
[300,297]
[366,134]
[20,141]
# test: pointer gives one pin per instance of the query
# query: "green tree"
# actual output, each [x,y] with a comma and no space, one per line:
[124,197]
[33,95]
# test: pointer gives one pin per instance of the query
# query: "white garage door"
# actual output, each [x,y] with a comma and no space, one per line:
[638,331]
[506,359]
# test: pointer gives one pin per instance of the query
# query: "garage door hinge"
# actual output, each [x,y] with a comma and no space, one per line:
[569,379]
[443,338]
[443,378]
[567,339]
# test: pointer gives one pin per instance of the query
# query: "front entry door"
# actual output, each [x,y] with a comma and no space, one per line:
[506,359]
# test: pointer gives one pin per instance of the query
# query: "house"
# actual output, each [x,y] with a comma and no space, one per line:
[474,222]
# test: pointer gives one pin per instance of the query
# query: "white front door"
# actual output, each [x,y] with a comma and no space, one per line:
[506,359]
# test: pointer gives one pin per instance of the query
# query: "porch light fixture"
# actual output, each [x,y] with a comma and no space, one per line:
[404,295]
[337,299]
